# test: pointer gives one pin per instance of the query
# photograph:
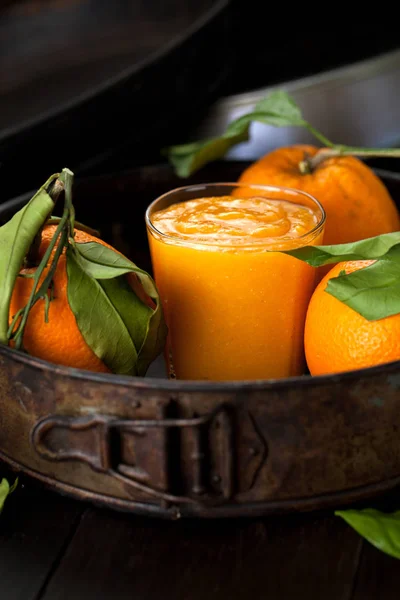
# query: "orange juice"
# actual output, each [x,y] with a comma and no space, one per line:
[234,304]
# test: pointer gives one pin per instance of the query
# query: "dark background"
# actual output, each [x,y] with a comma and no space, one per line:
[278,42]
[103,86]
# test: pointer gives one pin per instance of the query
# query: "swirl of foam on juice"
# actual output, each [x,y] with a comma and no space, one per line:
[237,221]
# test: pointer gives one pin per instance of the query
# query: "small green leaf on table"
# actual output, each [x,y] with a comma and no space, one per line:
[6,490]
[382,530]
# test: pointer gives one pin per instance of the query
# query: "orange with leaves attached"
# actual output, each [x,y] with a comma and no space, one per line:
[59,340]
[337,338]
[356,201]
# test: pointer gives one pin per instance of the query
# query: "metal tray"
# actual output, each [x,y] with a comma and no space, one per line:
[177,448]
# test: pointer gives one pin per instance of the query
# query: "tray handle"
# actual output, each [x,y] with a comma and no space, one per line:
[140,452]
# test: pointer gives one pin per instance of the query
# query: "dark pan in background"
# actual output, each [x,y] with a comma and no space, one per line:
[82,79]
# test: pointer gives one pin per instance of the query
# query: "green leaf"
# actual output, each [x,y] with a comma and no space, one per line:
[135,314]
[280,104]
[5,491]
[103,269]
[101,262]
[16,237]
[382,530]
[277,109]
[189,158]
[373,292]
[369,249]
[99,321]
[104,263]
[155,339]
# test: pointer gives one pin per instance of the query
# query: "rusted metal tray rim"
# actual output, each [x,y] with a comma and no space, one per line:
[156,383]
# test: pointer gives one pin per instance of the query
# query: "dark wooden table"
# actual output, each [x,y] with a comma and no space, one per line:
[55,548]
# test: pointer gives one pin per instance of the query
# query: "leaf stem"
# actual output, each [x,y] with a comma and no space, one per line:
[312,162]
[14,322]
[68,179]
[36,294]
[320,136]
[55,188]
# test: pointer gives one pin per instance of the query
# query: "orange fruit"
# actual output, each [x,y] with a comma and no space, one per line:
[337,338]
[58,341]
[356,201]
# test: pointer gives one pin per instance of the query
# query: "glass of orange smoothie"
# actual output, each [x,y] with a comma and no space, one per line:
[234,304]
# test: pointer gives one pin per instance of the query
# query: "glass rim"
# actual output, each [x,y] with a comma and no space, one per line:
[258,244]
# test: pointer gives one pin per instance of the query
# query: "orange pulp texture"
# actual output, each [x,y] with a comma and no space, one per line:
[235,309]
